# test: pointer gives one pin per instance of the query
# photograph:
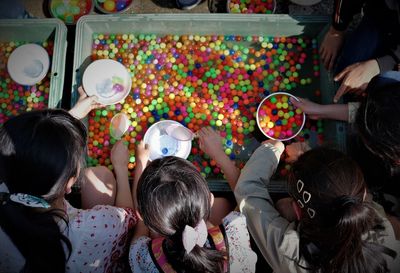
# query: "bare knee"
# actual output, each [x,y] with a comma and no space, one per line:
[101,173]
[99,187]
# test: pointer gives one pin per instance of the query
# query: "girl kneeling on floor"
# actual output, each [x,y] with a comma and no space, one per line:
[175,203]
[336,228]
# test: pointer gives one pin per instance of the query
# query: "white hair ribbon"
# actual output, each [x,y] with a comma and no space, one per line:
[194,236]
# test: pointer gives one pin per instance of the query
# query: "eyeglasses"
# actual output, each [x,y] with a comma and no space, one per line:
[306,197]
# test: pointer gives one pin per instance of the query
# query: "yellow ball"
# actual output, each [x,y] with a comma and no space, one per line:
[109,5]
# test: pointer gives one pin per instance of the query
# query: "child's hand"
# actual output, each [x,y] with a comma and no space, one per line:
[142,153]
[210,142]
[276,143]
[312,109]
[295,150]
[120,155]
[84,105]
[285,209]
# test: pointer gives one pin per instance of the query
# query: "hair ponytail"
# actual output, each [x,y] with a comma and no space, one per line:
[351,252]
[331,238]
[199,260]
[37,236]
[172,194]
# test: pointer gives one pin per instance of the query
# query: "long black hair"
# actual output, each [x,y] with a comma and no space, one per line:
[172,194]
[378,119]
[39,152]
[330,189]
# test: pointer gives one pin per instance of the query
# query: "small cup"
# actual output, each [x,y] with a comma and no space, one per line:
[119,124]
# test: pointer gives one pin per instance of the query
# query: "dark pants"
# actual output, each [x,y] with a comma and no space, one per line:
[367,41]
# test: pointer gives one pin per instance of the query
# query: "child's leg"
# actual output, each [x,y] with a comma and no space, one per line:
[99,187]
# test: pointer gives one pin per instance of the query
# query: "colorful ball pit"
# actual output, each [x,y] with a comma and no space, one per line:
[278,119]
[251,6]
[113,6]
[200,80]
[16,98]
[70,11]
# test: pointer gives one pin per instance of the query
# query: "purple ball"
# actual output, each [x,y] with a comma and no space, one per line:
[118,88]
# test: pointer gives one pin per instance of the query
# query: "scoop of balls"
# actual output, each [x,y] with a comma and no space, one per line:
[278,118]
[111,6]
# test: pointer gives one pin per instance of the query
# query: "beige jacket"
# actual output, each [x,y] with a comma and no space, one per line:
[278,239]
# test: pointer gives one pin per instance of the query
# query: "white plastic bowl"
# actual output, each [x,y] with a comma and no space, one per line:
[109,80]
[28,64]
[258,120]
[163,144]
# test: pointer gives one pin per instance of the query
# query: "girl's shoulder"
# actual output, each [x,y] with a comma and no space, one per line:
[100,221]
[100,232]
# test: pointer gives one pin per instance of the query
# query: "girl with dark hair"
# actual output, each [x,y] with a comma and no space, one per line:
[375,144]
[174,203]
[42,154]
[337,227]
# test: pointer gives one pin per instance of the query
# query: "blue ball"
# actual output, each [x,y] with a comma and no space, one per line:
[120,5]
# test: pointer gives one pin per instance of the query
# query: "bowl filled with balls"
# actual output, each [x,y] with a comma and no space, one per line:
[251,6]
[278,118]
[70,11]
[112,6]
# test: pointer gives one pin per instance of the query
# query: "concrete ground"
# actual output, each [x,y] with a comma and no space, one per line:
[37,7]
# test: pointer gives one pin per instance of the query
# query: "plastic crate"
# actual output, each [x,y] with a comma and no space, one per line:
[209,24]
[40,30]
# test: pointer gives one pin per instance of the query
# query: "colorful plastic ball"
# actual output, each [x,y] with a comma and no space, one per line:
[109,5]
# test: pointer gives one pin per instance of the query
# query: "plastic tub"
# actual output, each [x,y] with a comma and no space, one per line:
[15,32]
[208,24]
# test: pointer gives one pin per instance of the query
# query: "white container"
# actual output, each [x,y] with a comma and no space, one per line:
[163,142]
[258,117]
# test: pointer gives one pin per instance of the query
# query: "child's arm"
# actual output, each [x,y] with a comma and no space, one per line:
[210,143]
[119,159]
[264,222]
[319,111]
[84,105]
[142,158]
[295,150]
